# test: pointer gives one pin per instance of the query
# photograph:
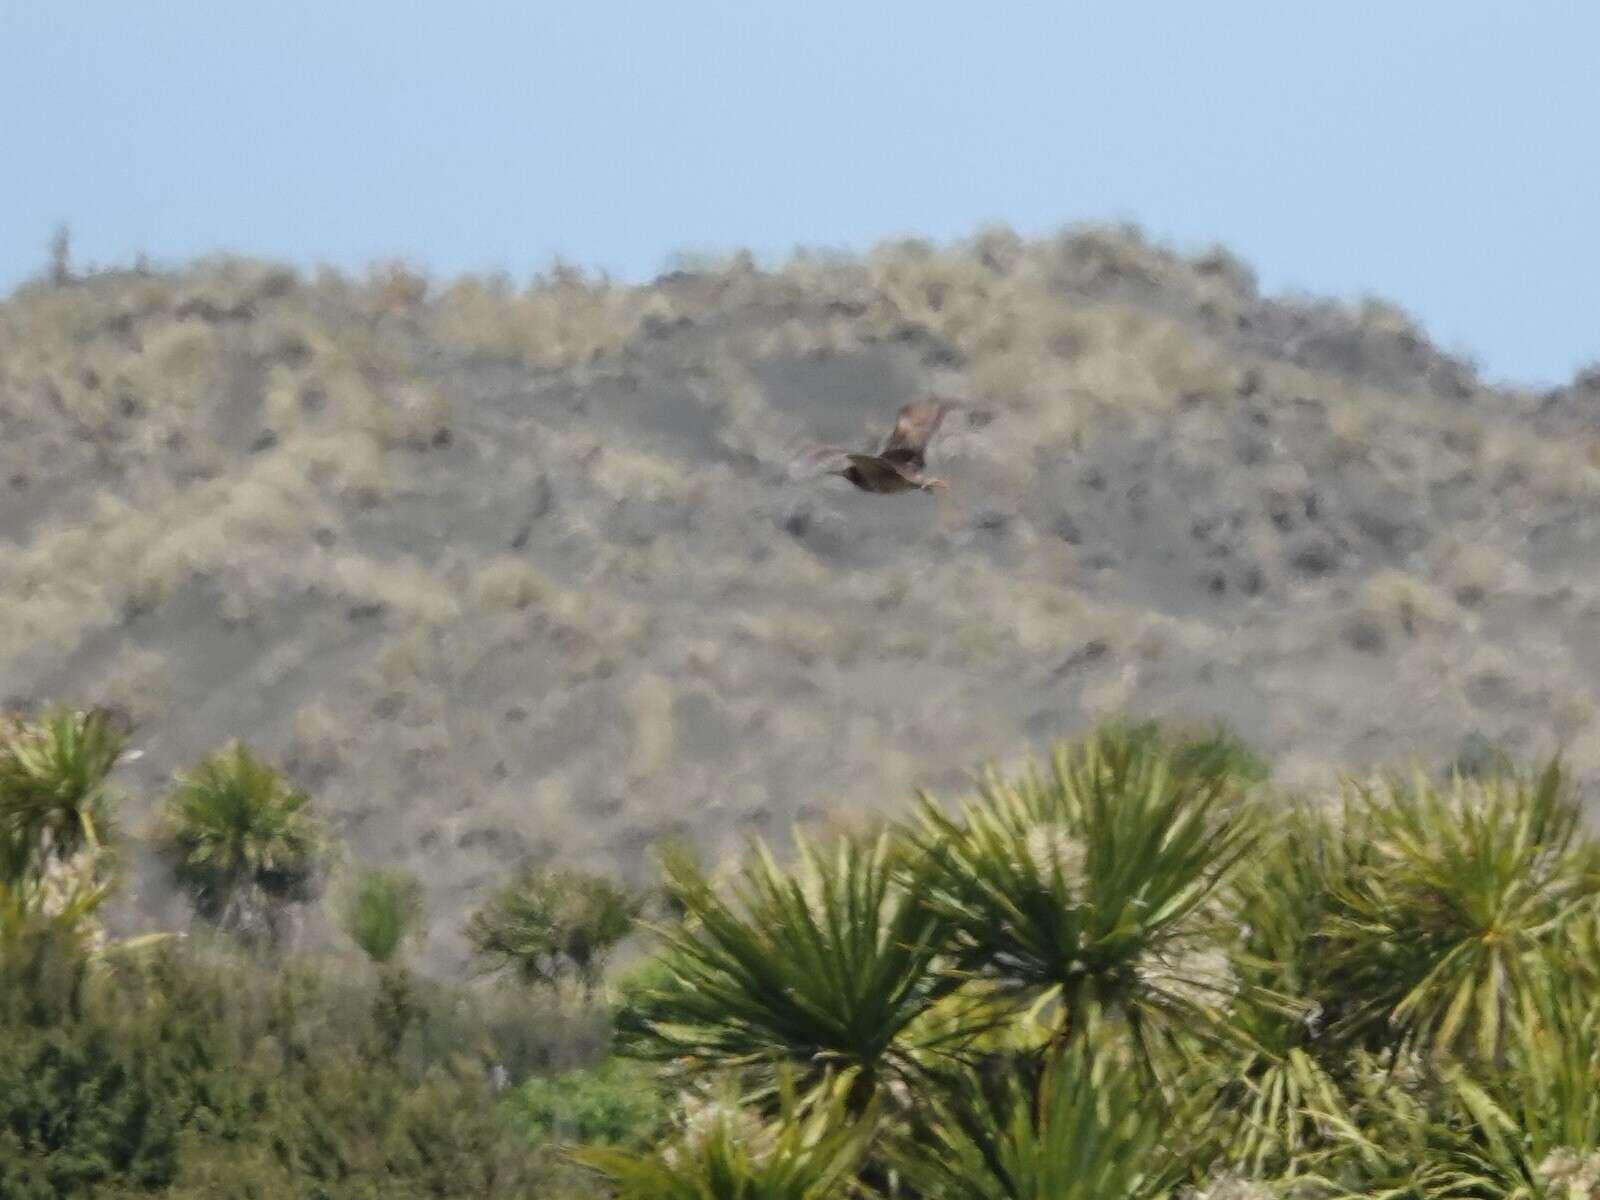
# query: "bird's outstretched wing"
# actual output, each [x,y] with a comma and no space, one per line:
[880,471]
[815,461]
[914,427]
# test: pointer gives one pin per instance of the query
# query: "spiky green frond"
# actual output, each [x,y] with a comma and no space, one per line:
[1078,1126]
[1464,909]
[827,966]
[1092,886]
[1278,1076]
[52,785]
[724,1150]
[380,908]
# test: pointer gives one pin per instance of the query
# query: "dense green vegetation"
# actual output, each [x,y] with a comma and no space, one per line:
[1138,971]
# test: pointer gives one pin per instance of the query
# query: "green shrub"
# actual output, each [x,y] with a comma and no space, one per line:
[546,925]
[185,1071]
[1118,979]
[379,911]
[77,1111]
[721,1150]
[617,1102]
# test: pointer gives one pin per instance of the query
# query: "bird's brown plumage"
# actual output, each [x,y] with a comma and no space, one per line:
[914,427]
[898,466]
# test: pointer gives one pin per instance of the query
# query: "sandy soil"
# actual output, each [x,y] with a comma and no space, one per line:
[500,572]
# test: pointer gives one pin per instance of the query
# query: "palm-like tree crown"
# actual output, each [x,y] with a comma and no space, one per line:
[52,785]
[830,966]
[1475,887]
[544,925]
[235,829]
[1076,1125]
[1092,889]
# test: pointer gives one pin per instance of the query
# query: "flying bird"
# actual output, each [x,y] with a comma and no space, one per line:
[899,466]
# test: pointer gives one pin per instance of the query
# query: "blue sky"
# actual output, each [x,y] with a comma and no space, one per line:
[1442,155]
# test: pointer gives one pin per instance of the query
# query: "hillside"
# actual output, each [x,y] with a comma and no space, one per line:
[501,572]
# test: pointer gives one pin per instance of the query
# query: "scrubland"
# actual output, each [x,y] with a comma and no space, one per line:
[541,663]
[1140,969]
